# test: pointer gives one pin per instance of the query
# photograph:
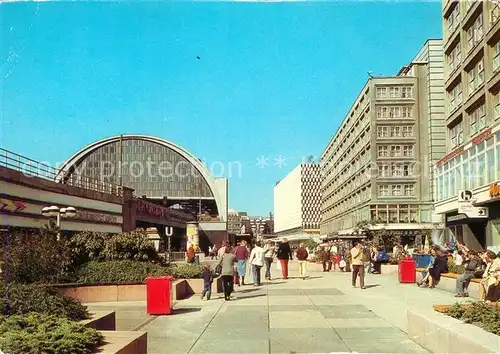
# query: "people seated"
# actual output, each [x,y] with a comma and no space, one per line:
[474,268]
[490,273]
[438,267]
[493,294]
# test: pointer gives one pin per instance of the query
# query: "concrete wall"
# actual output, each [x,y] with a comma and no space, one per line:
[288,201]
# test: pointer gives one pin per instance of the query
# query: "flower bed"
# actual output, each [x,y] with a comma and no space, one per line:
[479,314]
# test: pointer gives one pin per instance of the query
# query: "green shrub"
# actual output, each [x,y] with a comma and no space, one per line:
[35,256]
[132,271]
[25,298]
[479,314]
[41,333]
[185,271]
[118,271]
[98,246]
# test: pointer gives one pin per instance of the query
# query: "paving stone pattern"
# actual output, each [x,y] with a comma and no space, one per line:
[293,316]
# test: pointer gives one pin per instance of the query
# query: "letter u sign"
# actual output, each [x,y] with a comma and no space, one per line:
[494,190]
[169,231]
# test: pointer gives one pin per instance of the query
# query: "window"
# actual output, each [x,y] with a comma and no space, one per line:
[381,92]
[456,134]
[407,131]
[495,11]
[496,56]
[475,32]
[383,171]
[409,190]
[407,170]
[477,120]
[397,170]
[382,111]
[396,131]
[396,190]
[383,190]
[396,150]
[455,96]
[406,92]
[406,112]
[382,131]
[497,105]
[408,150]
[453,20]
[476,76]
[453,59]
[394,92]
[383,151]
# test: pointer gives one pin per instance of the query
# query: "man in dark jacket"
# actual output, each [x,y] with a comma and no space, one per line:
[472,263]
[284,254]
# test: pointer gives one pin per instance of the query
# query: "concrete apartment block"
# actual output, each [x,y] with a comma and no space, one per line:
[378,165]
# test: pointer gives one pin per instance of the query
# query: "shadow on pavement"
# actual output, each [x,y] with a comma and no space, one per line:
[182,310]
[371,286]
[247,297]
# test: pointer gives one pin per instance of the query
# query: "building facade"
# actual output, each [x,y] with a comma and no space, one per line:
[472,101]
[378,165]
[297,201]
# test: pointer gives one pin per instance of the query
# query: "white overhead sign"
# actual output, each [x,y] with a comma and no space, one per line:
[466,205]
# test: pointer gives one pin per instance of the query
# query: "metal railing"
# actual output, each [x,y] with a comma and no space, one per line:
[32,168]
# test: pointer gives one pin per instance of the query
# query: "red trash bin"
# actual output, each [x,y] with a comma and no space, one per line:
[159,295]
[407,270]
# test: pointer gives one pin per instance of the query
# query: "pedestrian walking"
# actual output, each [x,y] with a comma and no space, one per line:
[226,267]
[357,265]
[302,255]
[284,254]
[241,253]
[269,252]
[208,279]
[257,261]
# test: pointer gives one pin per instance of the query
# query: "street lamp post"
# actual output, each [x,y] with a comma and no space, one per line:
[58,213]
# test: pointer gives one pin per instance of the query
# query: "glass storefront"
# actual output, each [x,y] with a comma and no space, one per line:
[476,167]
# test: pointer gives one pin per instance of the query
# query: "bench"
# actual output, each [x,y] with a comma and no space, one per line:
[448,283]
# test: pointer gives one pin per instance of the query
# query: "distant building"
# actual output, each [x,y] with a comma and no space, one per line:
[297,201]
[233,222]
[378,166]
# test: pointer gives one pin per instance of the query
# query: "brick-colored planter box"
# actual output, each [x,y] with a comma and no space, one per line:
[88,293]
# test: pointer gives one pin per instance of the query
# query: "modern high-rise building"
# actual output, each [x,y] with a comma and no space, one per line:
[297,201]
[472,101]
[378,165]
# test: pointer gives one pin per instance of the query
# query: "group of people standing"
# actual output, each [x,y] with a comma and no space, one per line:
[233,262]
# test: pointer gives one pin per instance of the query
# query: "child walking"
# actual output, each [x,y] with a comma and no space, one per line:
[208,279]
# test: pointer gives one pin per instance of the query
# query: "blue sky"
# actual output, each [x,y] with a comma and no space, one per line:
[273,79]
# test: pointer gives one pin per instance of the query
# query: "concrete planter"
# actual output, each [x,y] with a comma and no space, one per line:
[389,269]
[440,333]
[88,293]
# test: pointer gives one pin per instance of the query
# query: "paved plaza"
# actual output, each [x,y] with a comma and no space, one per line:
[323,314]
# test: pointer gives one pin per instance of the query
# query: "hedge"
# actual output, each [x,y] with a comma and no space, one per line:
[131,271]
[25,298]
[479,314]
[37,333]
